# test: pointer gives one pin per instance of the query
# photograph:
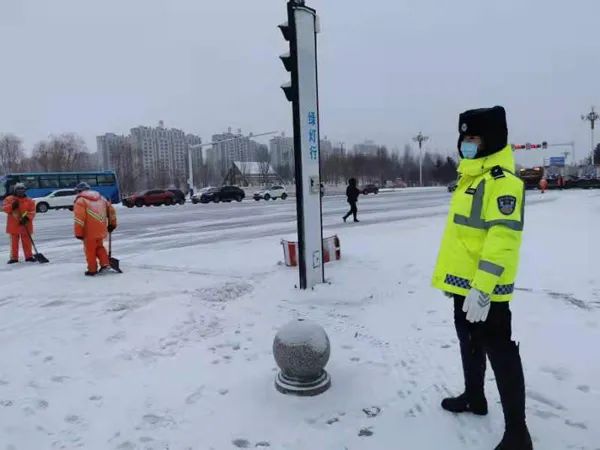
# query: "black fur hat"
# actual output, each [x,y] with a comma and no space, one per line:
[487,123]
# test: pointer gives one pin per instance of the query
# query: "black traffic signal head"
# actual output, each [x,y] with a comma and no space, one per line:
[288,90]
[287,61]
[286,31]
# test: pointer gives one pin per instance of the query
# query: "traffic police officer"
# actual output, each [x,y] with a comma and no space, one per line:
[477,266]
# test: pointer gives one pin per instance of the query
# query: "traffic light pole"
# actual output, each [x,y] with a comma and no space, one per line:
[301,32]
[545,145]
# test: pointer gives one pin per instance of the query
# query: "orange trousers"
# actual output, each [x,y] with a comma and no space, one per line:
[14,245]
[94,251]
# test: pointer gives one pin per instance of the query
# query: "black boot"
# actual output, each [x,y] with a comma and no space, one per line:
[90,274]
[462,404]
[516,440]
[12,261]
[31,259]
[506,362]
[473,363]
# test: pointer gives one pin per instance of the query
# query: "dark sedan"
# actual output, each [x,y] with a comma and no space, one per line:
[588,183]
[370,189]
[221,194]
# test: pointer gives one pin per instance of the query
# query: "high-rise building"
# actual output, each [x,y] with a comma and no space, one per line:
[367,148]
[163,150]
[229,147]
[108,147]
[281,149]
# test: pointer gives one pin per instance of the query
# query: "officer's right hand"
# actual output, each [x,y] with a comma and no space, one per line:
[111,228]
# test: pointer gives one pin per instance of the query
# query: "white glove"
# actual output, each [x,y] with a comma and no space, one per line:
[477,306]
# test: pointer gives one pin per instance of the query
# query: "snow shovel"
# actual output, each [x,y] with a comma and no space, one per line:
[38,256]
[114,262]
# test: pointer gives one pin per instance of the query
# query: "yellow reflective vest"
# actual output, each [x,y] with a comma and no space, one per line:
[481,243]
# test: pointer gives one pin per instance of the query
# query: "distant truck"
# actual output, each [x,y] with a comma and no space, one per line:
[532,177]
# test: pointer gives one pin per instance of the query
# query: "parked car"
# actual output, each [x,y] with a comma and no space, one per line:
[452,186]
[196,197]
[153,197]
[179,196]
[370,189]
[571,182]
[59,199]
[221,194]
[271,193]
[588,183]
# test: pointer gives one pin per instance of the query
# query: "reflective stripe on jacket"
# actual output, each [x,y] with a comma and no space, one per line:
[481,243]
[92,214]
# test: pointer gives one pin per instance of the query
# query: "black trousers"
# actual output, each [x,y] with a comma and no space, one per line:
[492,338]
[353,210]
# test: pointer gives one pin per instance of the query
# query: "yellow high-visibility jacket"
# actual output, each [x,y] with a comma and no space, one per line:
[480,247]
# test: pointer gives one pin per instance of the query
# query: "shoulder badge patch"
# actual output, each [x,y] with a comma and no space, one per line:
[507,204]
[497,172]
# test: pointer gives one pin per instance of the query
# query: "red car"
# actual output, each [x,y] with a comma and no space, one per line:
[155,197]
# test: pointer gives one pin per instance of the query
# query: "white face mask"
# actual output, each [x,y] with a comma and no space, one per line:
[469,150]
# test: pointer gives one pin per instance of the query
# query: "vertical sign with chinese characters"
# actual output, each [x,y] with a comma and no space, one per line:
[306,147]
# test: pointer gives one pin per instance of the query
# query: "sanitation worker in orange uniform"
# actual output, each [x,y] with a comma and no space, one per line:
[95,217]
[21,211]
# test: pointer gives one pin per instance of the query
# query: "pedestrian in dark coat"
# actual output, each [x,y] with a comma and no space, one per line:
[352,194]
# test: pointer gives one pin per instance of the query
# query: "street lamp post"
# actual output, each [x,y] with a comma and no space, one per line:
[419,138]
[191,168]
[592,116]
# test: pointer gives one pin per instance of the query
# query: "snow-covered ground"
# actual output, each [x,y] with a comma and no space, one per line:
[176,353]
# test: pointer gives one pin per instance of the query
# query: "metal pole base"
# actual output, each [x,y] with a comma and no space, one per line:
[302,387]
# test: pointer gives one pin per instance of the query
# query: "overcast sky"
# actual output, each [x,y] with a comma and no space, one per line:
[388,68]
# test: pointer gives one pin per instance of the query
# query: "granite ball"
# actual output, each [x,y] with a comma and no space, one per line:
[301,349]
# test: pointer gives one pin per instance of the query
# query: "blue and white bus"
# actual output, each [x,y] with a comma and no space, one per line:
[41,184]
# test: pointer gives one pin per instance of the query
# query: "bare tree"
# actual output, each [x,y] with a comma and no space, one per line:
[29,164]
[12,154]
[63,153]
[264,167]
[383,166]
[286,173]
[127,165]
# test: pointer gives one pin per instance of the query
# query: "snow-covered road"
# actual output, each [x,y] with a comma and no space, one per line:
[176,353]
[184,226]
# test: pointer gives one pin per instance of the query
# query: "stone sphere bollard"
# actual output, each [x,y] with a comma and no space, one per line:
[301,349]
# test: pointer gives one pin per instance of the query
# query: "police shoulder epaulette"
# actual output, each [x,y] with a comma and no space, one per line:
[497,172]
